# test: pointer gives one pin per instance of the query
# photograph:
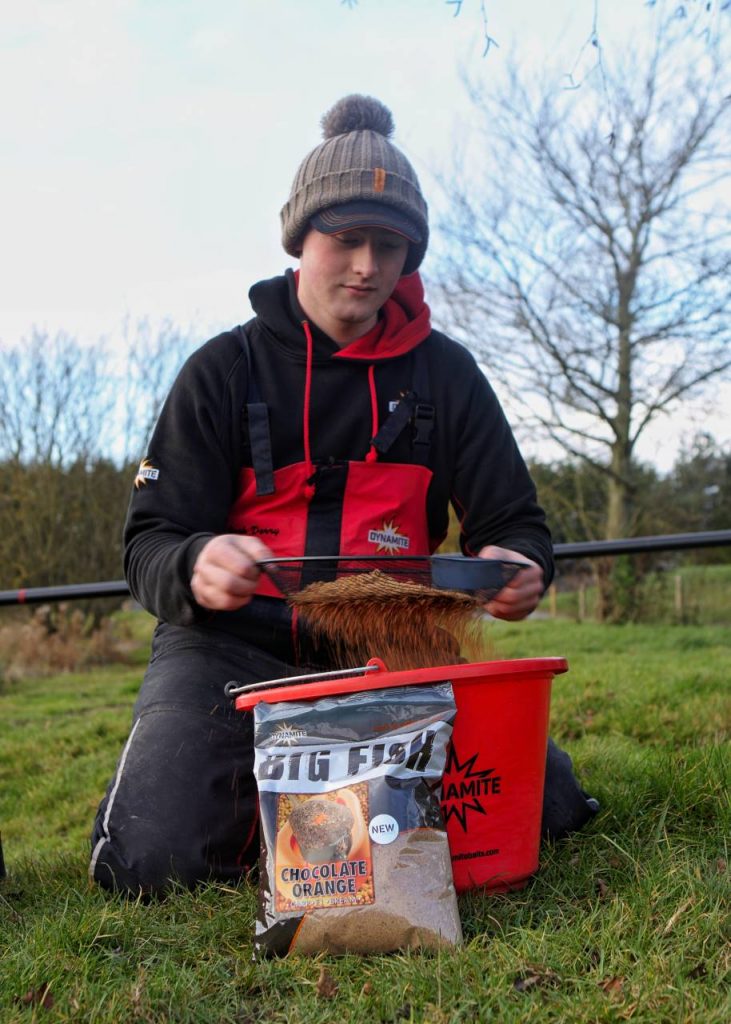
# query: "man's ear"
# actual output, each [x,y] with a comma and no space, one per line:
[300,243]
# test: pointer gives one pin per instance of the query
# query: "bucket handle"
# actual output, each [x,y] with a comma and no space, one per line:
[232,688]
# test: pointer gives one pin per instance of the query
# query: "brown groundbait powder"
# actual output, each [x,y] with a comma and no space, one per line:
[413,903]
[406,624]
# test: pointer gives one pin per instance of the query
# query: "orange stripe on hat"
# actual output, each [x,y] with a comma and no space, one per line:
[379,179]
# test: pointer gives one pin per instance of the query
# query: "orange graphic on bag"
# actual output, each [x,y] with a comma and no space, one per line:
[323,853]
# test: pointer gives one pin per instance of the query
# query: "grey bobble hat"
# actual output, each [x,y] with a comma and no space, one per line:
[360,178]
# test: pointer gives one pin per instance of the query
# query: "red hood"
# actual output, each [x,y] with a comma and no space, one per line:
[403,325]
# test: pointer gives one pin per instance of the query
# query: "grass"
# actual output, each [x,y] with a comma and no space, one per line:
[625,921]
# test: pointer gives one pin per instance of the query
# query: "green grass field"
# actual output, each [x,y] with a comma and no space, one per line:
[625,921]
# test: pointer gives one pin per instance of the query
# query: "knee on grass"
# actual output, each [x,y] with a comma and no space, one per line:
[155,872]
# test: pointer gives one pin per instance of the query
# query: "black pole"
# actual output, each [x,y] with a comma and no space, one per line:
[38,595]
[580,549]
[636,545]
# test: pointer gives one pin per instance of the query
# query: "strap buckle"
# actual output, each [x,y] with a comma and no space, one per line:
[423,423]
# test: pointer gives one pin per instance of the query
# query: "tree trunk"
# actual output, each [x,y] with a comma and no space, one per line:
[615,576]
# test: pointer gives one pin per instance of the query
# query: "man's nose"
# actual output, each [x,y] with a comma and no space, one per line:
[366,259]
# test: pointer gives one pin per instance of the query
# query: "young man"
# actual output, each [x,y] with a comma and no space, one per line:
[334,415]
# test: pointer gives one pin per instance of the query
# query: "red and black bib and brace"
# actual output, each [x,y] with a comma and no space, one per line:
[337,507]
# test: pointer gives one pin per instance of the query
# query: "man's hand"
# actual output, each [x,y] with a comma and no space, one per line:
[519,597]
[225,573]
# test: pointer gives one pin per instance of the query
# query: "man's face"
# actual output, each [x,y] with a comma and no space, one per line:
[345,278]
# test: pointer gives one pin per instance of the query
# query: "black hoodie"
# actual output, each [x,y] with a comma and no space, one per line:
[189,479]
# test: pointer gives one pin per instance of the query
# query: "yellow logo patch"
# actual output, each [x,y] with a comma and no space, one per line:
[146,472]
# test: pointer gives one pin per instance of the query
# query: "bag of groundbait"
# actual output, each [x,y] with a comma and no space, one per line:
[354,854]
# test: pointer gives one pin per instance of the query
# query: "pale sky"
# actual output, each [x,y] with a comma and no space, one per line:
[146,146]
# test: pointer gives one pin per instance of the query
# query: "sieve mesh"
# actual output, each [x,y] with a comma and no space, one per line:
[411,612]
[480,578]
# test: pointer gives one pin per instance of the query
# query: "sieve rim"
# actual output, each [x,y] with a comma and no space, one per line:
[480,578]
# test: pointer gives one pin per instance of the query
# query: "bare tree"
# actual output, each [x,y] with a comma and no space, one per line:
[588,260]
[62,401]
[708,18]
[55,397]
[153,354]
[73,419]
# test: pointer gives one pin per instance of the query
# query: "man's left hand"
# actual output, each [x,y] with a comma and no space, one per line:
[521,596]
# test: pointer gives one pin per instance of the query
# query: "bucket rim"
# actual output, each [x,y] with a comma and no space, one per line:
[383,679]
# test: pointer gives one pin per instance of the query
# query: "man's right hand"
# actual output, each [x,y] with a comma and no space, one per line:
[225,573]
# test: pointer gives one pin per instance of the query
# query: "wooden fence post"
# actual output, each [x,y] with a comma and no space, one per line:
[582,602]
[679,603]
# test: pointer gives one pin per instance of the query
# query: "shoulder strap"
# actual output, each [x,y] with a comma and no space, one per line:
[255,421]
[414,408]
[424,410]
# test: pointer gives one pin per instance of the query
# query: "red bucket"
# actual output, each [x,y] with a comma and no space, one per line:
[492,791]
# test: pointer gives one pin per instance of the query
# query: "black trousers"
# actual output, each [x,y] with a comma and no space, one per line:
[182,805]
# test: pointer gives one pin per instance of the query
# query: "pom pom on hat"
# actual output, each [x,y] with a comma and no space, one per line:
[357,114]
[356,164]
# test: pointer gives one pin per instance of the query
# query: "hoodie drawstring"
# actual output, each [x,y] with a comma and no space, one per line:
[309,486]
[372,454]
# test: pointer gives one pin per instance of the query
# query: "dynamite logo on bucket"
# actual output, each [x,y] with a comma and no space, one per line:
[467,789]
